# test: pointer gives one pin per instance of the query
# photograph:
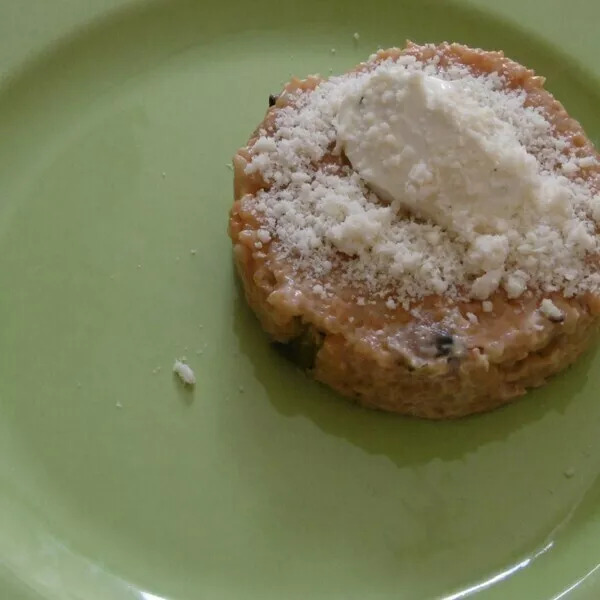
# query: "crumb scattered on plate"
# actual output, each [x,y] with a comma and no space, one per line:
[184,372]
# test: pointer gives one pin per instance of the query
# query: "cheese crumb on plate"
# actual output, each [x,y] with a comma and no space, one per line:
[185,372]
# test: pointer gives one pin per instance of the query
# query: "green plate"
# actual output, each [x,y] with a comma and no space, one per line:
[117,123]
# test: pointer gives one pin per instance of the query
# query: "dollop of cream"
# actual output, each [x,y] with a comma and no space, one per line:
[426,146]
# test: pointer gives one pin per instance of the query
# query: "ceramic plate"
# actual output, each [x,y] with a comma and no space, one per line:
[118,121]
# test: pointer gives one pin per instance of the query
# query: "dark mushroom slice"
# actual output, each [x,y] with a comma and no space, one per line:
[302,350]
[444,344]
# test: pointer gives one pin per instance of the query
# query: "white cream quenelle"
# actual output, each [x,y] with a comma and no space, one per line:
[424,144]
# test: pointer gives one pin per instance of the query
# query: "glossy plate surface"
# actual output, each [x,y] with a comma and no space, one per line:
[117,124]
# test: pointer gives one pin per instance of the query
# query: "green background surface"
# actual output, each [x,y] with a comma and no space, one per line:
[117,122]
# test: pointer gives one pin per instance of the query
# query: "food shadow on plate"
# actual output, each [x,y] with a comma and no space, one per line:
[185,392]
[404,440]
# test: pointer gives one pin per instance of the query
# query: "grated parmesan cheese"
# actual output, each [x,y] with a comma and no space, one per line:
[264,236]
[391,304]
[487,306]
[551,311]
[472,318]
[512,217]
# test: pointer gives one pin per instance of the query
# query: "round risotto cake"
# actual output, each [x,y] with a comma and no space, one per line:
[421,232]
